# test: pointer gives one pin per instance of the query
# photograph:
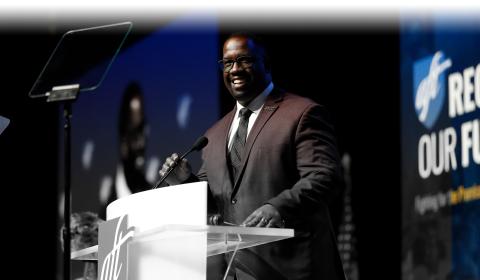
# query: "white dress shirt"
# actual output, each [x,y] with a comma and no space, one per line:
[255,106]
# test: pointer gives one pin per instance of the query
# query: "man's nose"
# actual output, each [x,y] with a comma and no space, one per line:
[235,67]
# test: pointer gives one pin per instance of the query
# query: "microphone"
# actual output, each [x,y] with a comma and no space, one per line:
[197,146]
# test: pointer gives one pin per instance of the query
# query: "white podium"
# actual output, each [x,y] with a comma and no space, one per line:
[167,244]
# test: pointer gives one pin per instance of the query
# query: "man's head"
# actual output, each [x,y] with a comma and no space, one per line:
[132,127]
[246,72]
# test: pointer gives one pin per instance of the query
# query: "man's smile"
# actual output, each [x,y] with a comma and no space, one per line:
[239,82]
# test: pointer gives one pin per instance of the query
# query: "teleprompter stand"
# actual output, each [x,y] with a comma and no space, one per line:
[66,95]
[64,77]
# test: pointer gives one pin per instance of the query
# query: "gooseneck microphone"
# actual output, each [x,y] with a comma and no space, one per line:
[197,146]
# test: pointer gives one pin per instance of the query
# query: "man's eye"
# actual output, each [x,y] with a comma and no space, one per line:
[228,62]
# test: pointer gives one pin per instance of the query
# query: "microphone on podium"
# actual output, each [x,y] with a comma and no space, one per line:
[197,146]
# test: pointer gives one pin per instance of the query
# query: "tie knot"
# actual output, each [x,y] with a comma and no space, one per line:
[245,113]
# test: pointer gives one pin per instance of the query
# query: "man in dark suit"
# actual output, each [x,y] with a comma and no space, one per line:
[272,164]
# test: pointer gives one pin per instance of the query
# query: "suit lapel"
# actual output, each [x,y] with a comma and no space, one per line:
[270,106]
[227,186]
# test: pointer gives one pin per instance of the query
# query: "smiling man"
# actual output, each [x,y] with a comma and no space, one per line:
[271,162]
[244,69]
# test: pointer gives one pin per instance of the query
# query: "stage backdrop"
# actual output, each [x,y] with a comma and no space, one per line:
[176,69]
[175,66]
[440,95]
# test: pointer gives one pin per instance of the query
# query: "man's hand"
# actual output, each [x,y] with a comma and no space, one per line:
[180,174]
[265,216]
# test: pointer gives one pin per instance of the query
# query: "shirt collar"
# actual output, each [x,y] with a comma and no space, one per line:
[257,103]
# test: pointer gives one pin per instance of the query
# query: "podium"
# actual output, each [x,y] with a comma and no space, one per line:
[159,250]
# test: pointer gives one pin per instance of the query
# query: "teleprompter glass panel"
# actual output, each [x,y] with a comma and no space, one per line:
[76,53]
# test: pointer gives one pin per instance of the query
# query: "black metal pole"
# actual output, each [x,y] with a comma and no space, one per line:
[67,114]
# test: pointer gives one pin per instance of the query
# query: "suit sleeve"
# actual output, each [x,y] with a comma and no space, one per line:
[202,172]
[318,165]
[202,176]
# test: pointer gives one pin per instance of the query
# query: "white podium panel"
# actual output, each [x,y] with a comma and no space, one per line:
[171,239]
[181,204]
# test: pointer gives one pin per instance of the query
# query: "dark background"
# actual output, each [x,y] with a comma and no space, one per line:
[353,71]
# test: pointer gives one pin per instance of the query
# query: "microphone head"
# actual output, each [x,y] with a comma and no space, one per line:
[200,143]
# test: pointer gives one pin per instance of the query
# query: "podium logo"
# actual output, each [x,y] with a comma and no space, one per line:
[429,87]
[112,254]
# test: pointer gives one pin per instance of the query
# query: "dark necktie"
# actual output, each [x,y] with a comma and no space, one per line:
[238,144]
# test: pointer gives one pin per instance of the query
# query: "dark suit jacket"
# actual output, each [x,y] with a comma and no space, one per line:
[291,162]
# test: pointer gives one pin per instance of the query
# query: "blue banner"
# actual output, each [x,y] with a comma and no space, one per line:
[440,122]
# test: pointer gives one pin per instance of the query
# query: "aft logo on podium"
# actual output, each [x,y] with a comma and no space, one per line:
[429,87]
[112,253]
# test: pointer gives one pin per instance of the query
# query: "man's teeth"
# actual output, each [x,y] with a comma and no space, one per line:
[238,81]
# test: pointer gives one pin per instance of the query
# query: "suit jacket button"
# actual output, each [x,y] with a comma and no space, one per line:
[234,201]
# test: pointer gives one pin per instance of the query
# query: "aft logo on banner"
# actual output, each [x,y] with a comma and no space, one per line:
[455,142]
[429,87]
[112,254]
